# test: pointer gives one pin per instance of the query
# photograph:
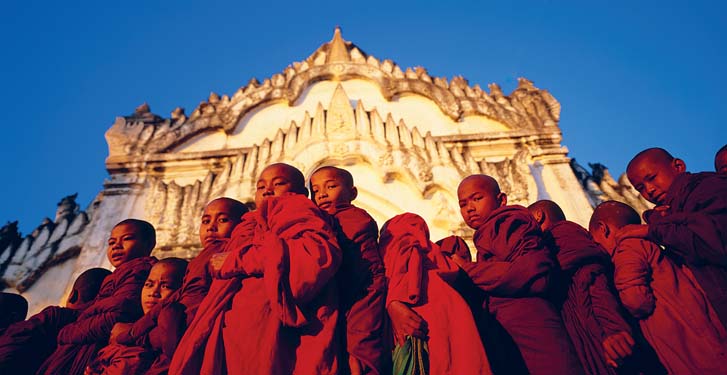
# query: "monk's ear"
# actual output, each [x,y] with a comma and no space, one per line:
[501,199]
[679,165]
[604,229]
[354,192]
[539,217]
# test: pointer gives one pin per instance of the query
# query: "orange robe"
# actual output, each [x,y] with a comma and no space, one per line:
[272,308]
[118,300]
[419,275]
[673,311]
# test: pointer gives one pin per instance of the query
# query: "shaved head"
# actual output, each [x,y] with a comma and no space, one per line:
[86,287]
[278,179]
[14,308]
[341,173]
[614,214]
[296,176]
[720,160]
[478,196]
[652,172]
[232,206]
[177,265]
[482,182]
[547,213]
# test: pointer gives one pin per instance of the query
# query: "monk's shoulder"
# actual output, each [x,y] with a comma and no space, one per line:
[355,220]
[503,219]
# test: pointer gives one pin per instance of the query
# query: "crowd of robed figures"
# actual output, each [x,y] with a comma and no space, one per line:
[311,286]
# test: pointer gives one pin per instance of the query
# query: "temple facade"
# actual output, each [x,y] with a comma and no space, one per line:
[408,139]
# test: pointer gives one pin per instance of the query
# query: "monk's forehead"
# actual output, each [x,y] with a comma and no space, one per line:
[325,174]
[221,205]
[167,270]
[650,159]
[477,184]
[128,227]
[279,170]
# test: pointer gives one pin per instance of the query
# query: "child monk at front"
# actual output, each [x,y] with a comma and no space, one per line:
[423,306]
[159,344]
[508,234]
[129,246]
[673,311]
[591,312]
[690,218]
[271,308]
[25,345]
[361,280]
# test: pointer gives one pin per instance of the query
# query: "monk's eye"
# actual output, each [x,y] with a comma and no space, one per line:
[205,221]
[148,284]
[332,186]
[260,187]
[281,183]
[111,242]
[223,220]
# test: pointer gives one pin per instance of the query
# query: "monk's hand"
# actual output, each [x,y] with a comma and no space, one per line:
[632,231]
[406,322]
[355,365]
[118,329]
[216,262]
[459,260]
[618,347]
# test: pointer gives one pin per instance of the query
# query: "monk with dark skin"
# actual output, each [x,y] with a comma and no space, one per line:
[720,161]
[129,248]
[505,234]
[361,280]
[25,345]
[689,220]
[158,346]
[271,308]
[673,311]
[589,309]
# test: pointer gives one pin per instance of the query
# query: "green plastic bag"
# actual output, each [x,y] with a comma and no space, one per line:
[412,358]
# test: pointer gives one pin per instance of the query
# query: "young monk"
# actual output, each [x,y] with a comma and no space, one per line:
[129,248]
[159,344]
[720,161]
[422,304]
[13,309]
[690,218]
[509,234]
[361,281]
[25,345]
[271,308]
[589,309]
[673,311]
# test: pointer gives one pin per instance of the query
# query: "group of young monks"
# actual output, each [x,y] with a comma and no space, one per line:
[310,286]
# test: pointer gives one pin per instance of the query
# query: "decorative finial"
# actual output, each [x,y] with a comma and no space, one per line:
[337,51]
[142,109]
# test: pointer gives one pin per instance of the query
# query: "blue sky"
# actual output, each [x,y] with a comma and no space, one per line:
[628,75]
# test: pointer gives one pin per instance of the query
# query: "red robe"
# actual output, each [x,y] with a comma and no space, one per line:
[362,288]
[673,311]
[511,235]
[589,309]
[419,275]
[25,345]
[118,300]
[695,231]
[149,354]
[272,309]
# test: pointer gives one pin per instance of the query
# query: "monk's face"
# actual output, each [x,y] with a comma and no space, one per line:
[125,243]
[274,182]
[477,199]
[218,221]
[163,280]
[653,176]
[329,191]
[720,163]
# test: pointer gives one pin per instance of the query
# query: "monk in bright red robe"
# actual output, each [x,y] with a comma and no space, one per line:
[673,311]
[690,218]
[129,245]
[272,308]
[361,280]
[509,234]
[25,345]
[151,353]
[419,293]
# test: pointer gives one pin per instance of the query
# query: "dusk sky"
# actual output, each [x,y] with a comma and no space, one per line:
[628,76]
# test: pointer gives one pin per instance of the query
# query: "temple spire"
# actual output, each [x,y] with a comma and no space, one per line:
[337,52]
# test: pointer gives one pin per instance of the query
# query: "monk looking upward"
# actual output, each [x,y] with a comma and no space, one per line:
[673,311]
[361,280]
[689,220]
[271,308]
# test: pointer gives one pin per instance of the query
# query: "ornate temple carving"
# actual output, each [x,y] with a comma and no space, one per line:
[601,187]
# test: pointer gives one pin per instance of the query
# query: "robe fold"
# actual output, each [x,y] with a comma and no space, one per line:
[419,275]
[118,300]
[588,305]
[695,231]
[511,235]
[362,287]
[25,345]
[272,308]
[673,311]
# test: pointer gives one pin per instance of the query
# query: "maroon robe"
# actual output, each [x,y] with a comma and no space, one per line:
[589,309]
[117,301]
[25,345]
[694,231]
[362,288]
[272,308]
[420,275]
[511,235]
[673,311]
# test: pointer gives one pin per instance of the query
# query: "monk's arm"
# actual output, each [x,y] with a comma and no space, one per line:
[172,322]
[313,257]
[96,328]
[246,262]
[693,235]
[631,276]
[605,306]
[528,274]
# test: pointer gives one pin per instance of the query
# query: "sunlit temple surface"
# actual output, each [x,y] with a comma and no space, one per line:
[407,137]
